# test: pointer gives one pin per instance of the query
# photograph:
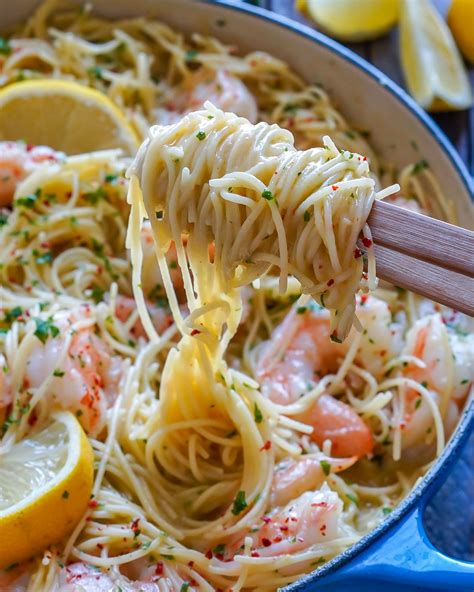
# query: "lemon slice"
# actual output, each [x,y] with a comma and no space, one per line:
[45,486]
[461,23]
[352,20]
[433,68]
[64,115]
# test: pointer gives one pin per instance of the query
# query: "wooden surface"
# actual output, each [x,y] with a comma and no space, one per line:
[383,53]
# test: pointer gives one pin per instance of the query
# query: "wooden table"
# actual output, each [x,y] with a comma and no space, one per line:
[383,53]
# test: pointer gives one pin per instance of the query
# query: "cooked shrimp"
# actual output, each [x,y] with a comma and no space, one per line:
[310,519]
[226,91]
[17,161]
[152,282]
[294,477]
[160,316]
[305,353]
[136,576]
[446,370]
[84,378]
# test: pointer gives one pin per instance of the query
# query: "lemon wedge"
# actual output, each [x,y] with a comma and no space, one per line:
[352,20]
[64,115]
[461,23]
[45,486]
[434,70]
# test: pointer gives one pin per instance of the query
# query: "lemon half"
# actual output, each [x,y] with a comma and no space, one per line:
[433,67]
[45,487]
[64,115]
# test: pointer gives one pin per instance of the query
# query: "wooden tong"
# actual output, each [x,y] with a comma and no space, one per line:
[429,257]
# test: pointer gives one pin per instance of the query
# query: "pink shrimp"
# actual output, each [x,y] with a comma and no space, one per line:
[294,477]
[447,372]
[160,317]
[86,380]
[17,161]
[226,91]
[302,341]
[137,576]
[310,519]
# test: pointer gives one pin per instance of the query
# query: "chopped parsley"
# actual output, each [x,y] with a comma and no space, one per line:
[45,328]
[28,201]
[95,72]
[45,257]
[325,466]
[307,216]
[97,294]
[65,494]
[419,166]
[418,402]
[301,310]
[5,47]
[257,414]
[159,215]
[12,565]
[239,504]
[110,178]
[267,194]
[386,511]
[93,197]
[3,219]
[219,549]
[184,587]
[59,373]
[13,314]
[353,498]
[201,135]
[190,55]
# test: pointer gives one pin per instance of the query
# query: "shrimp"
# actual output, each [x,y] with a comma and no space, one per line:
[152,282]
[17,161]
[311,518]
[84,378]
[446,370]
[303,341]
[160,317]
[294,477]
[226,91]
[136,576]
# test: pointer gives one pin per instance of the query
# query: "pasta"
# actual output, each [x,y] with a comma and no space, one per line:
[236,445]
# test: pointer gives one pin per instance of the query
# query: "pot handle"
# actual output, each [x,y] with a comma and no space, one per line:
[403,558]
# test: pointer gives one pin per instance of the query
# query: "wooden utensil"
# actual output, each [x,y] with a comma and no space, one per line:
[432,258]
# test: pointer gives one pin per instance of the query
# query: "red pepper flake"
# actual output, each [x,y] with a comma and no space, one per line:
[99,546]
[209,554]
[283,528]
[191,564]
[365,158]
[266,446]
[266,519]
[364,298]
[93,503]
[195,332]
[277,539]
[266,542]
[335,187]
[366,242]
[134,524]
[294,519]
[32,419]
[330,283]
[29,147]
[357,253]
[254,554]
[159,568]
